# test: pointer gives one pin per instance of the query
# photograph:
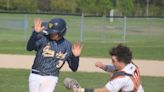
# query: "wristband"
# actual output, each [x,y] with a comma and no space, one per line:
[89,90]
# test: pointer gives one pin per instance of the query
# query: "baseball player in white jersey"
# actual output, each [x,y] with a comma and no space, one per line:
[125,74]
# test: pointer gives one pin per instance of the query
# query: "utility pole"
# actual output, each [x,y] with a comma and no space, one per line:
[8,4]
[147,7]
[82,28]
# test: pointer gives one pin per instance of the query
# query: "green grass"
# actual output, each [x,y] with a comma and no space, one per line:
[16,80]
[144,36]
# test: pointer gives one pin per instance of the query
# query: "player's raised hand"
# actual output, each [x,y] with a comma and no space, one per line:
[99,65]
[38,25]
[77,48]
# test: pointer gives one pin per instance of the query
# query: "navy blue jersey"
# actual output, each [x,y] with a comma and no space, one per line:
[48,65]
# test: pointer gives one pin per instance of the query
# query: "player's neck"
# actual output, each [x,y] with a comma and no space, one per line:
[121,66]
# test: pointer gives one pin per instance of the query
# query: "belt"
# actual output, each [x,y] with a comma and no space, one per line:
[36,72]
[42,74]
[39,73]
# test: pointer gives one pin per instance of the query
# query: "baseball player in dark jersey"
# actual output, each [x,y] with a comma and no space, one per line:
[52,51]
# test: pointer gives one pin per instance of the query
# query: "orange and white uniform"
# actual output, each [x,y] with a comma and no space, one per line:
[126,80]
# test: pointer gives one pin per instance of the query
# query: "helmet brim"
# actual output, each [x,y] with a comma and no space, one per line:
[51,31]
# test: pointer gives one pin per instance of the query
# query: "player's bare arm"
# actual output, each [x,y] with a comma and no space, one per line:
[100,65]
[107,68]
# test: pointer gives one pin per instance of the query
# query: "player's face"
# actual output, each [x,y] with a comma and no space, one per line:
[54,36]
[116,62]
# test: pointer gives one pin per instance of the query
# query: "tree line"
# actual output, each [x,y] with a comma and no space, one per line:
[87,7]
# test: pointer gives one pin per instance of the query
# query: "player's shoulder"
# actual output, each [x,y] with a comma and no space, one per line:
[67,42]
[130,68]
[120,78]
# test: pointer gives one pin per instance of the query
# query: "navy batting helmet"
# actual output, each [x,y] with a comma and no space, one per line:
[57,25]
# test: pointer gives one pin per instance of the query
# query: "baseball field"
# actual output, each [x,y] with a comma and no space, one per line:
[15,80]
[144,37]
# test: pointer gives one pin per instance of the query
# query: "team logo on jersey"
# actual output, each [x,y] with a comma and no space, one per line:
[60,55]
[47,52]
[59,63]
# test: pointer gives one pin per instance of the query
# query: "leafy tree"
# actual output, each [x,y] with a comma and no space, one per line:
[43,5]
[125,6]
[23,5]
[103,6]
[63,5]
[3,4]
[85,6]
[100,7]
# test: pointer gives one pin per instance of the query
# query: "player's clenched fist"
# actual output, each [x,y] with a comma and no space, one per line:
[38,25]
[100,65]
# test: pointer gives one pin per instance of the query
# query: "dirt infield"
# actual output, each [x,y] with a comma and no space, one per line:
[147,67]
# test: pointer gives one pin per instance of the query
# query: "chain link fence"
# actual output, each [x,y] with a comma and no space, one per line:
[18,27]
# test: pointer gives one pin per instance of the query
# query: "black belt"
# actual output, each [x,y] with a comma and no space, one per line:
[39,73]
[35,72]
[42,74]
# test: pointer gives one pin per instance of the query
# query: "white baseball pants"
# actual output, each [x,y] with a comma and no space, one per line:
[38,83]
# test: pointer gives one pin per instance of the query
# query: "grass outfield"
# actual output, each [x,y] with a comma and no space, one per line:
[14,80]
[144,36]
